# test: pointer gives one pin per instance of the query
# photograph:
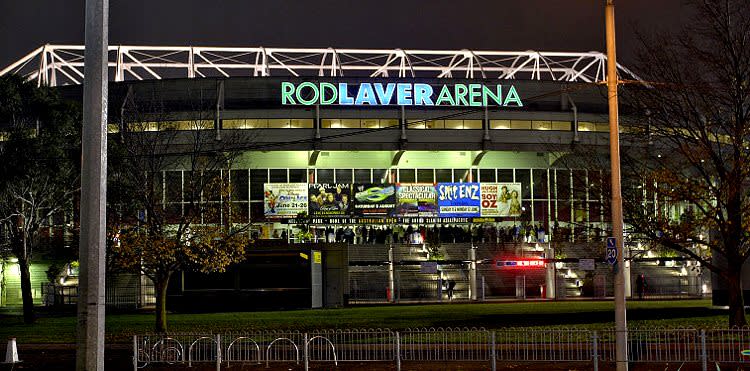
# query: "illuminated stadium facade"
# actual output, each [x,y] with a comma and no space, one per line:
[322,119]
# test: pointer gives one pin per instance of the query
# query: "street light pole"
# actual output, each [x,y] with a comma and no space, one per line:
[90,327]
[621,328]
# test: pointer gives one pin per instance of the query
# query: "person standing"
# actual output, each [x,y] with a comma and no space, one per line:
[640,286]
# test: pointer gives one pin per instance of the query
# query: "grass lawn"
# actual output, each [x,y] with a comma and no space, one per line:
[585,314]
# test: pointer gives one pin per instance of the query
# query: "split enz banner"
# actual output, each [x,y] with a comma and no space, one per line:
[501,199]
[401,94]
[330,200]
[374,200]
[416,200]
[458,199]
[284,200]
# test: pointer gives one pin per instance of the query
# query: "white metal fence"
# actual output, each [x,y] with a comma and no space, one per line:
[516,345]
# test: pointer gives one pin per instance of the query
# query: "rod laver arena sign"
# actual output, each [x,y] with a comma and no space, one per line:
[401,94]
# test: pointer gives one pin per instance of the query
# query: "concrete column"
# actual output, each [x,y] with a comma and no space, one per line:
[391,280]
[90,328]
[473,274]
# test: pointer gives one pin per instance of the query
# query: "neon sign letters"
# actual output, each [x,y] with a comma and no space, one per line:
[401,94]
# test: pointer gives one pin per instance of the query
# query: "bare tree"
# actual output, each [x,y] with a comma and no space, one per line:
[691,183]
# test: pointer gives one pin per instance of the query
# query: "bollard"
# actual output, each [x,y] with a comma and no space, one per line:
[307,364]
[704,355]
[493,351]
[595,345]
[398,351]
[11,354]
[218,352]
[135,352]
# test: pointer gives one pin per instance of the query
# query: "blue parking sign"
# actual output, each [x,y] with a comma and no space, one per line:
[611,250]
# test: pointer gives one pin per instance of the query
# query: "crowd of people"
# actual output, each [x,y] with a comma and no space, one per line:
[419,234]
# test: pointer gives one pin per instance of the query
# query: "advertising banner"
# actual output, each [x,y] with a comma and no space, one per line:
[330,200]
[374,200]
[416,200]
[284,200]
[458,199]
[501,199]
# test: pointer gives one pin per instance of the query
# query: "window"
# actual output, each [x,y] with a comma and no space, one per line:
[239,181]
[297,176]
[523,176]
[406,176]
[389,123]
[257,178]
[487,175]
[443,175]
[520,124]
[541,125]
[586,126]
[505,175]
[343,175]
[454,124]
[425,176]
[278,123]
[435,124]
[370,123]
[540,183]
[362,176]
[473,124]
[244,124]
[499,124]
[301,124]
[173,185]
[324,176]
[560,125]
[278,176]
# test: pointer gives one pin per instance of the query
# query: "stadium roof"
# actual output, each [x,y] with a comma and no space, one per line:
[57,65]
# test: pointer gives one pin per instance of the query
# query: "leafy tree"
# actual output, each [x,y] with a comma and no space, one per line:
[170,204]
[695,114]
[39,163]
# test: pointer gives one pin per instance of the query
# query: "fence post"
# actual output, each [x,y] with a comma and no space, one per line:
[704,354]
[595,344]
[493,351]
[304,354]
[398,351]
[135,352]
[218,352]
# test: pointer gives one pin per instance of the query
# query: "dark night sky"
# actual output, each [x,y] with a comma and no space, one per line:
[549,25]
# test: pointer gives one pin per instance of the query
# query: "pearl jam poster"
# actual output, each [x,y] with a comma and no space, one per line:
[374,200]
[416,200]
[284,200]
[330,200]
[457,200]
[501,199]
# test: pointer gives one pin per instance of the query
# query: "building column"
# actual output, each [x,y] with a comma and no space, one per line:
[549,280]
[473,274]
[626,273]
[391,280]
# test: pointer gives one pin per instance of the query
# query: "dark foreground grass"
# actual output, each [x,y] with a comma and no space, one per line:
[585,314]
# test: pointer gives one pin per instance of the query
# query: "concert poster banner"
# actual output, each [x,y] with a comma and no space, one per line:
[415,200]
[457,200]
[284,200]
[328,200]
[374,200]
[501,199]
